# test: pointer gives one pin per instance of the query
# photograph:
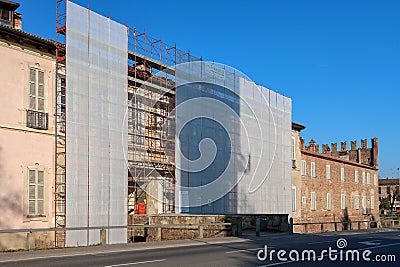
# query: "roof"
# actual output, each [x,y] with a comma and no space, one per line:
[387,181]
[9,4]
[297,126]
[7,32]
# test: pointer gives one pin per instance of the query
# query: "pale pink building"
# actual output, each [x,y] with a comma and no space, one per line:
[26,130]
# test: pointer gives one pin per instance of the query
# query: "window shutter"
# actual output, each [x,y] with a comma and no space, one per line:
[313,201]
[32,192]
[293,199]
[32,89]
[32,176]
[357,202]
[40,93]
[372,202]
[328,171]
[328,201]
[41,178]
[32,76]
[40,206]
[40,193]
[31,207]
[343,201]
[36,192]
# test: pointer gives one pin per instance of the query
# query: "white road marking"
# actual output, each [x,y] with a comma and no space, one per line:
[134,249]
[371,243]
[134,263]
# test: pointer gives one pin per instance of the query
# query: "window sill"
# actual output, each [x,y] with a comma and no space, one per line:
[35,216]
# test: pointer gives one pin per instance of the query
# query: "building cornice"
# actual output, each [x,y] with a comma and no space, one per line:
[24,38]
[25,129]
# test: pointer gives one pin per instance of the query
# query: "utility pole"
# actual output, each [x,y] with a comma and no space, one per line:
[396,191]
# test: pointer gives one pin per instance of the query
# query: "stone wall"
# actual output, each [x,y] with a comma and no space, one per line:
[271,223]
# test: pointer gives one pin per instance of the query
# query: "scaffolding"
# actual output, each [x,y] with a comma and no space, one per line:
[151,133]
[60,125]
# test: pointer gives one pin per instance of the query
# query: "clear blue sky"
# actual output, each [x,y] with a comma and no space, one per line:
[338,59]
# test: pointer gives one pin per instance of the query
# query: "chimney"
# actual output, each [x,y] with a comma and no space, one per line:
[343,146]
[334,147]
[364,143]
[326,149]
[302,143]
[353,145]
[17,23]
[374,153]
[312,145]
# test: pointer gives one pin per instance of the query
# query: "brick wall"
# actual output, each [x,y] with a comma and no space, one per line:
[364,160]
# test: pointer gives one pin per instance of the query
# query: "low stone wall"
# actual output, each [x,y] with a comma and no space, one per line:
[331,224]
[194,226]
[26,241]
[268,223]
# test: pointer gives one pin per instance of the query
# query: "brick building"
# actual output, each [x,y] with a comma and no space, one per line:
[389,188]
[333,185]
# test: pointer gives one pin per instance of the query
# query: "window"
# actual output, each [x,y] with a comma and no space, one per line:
[328,172]
[328,201]
[364,203]
[372,202]
[356,176]
[62,90]
[303,168]
[6,16]
[293,198]
[342,174]
[293,152]
[363,177]
[293,148]
[304,199]
[388,189]
[375,179]
[313,169]
[357,202]
[380,190]
[36,89]
[343,201]
[35,192]
[368,178]
[36,116]
[313,201]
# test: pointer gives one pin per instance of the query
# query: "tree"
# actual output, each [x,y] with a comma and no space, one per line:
[384,204]
[393,195]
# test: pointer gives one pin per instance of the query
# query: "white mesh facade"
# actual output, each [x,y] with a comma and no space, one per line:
[233,143]
[96,102]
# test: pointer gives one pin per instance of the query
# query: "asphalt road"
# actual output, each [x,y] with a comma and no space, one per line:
[367,246]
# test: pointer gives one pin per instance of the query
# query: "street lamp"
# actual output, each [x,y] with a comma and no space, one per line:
[398,191]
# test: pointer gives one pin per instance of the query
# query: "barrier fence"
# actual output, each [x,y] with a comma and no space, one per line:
[235,228]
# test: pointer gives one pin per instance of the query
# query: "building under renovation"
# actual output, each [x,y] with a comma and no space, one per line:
[117,113]
[115,123]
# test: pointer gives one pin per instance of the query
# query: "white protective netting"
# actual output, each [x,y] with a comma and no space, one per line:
[96,131]
[233,143]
